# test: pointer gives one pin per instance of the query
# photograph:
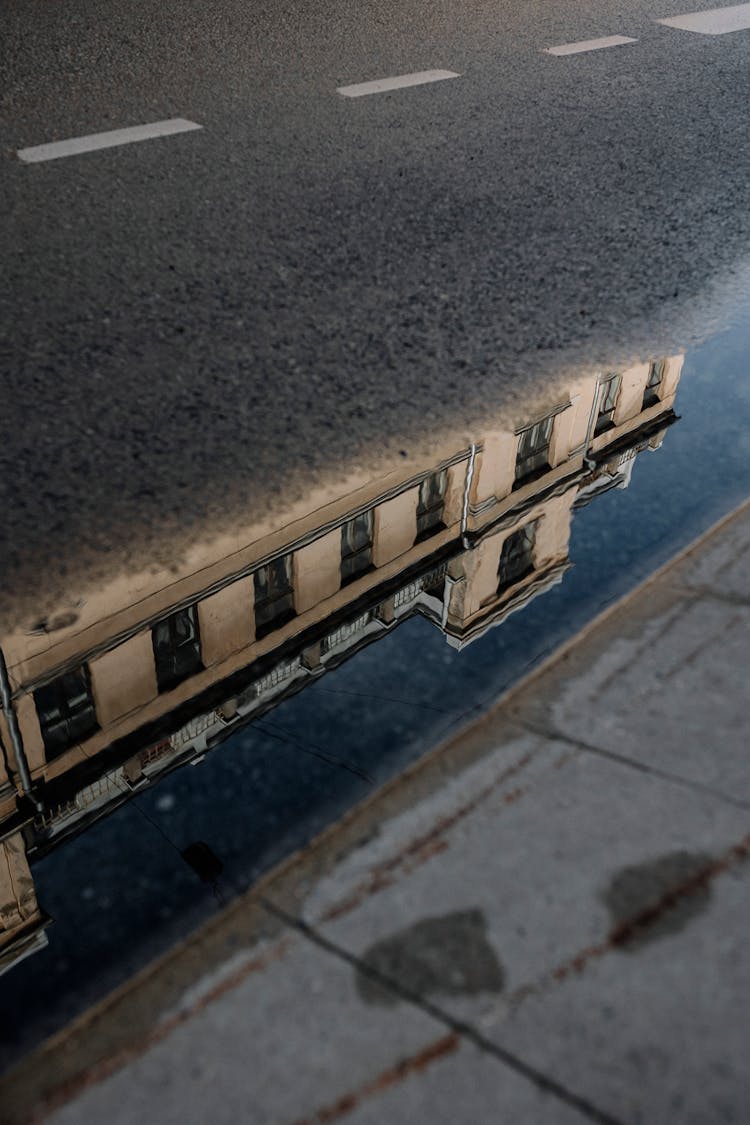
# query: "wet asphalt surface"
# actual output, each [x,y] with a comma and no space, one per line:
[193,326]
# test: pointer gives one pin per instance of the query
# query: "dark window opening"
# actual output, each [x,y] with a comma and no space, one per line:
[431,504]
[356,546]
[274,596]
[66,711]
[516,557]
[437,590]
[532,458]
[608,391]
[656,372]
[177,648]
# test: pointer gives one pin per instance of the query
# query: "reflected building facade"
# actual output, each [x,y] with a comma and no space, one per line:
[157,668]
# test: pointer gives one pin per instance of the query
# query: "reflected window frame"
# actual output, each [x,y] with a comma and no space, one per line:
[66,711]
[532,451]
[608,392]
[357,544]
[431,505]
[273,585]
[517,557]
[657,369]
[176,643]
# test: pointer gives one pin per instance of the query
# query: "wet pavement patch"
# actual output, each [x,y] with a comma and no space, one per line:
[449,954]
[658,898]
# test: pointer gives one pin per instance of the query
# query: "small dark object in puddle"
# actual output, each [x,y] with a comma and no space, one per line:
[206,865]
[658,898]
[449,955]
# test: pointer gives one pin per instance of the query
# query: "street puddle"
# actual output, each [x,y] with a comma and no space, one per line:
[311,652]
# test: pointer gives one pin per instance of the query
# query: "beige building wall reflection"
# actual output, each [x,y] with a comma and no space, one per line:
[156,668]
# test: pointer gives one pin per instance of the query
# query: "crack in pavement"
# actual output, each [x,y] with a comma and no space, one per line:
[530,727]
[543,1082]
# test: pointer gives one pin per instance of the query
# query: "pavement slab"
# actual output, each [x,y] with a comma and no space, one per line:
[541,921]
[661,683]
[465,1081]
[266,1031]
[655,1030]
[721,567]
[536,873]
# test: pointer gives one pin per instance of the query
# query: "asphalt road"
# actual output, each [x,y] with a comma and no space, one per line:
[197,324]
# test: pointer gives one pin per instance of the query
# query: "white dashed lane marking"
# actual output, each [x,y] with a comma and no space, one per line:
[74,145]
[589,45]
[381,85]
[715,21]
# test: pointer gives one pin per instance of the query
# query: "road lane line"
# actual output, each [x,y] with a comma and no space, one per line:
[589,45]
[74,145]
[380,85]
[715,21]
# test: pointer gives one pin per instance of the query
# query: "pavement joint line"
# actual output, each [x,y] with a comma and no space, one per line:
[384,873]
[558,653]
[530,727]
[467,1031]
[670,621]
[589,45]
[274,731]
[399,82]
[105,1067]
[713,21]
[113,138]
[418,850]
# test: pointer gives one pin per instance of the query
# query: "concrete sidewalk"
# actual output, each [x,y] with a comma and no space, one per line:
[543,921]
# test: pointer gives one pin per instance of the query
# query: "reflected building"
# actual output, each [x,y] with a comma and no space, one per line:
[157,668]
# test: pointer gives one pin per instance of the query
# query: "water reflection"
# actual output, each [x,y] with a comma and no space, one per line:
[103,697]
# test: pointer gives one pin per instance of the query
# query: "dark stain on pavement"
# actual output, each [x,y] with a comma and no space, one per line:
[648,894]
[449,954]
[639,887]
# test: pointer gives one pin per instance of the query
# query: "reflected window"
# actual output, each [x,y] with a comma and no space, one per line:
[608,390]
[437,590]
[66,711]
[177,647]
[431,504]
[356,546]
[274,595]
[516,557]
[532,457]
[656,372]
